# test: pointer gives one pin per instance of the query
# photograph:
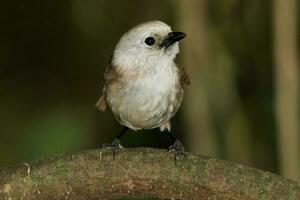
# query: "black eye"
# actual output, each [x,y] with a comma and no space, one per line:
[150,41]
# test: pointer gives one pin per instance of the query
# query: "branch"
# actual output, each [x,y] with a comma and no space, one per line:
[140,172]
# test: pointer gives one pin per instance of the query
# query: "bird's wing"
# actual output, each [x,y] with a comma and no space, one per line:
[184,78]
[109,75]
[101,103]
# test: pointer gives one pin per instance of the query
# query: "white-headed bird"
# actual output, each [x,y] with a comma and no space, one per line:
[143,85]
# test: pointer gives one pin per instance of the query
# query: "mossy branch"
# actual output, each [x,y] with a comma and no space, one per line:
[140,172]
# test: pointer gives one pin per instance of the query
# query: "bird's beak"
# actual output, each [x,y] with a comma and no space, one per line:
[171,38]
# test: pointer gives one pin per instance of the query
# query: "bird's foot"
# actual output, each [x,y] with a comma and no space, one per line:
[178,149]
[113,147]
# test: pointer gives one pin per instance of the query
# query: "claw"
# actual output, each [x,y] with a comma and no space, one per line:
[113,147]
[178,149]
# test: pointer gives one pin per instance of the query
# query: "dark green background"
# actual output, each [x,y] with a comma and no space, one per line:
[53,54]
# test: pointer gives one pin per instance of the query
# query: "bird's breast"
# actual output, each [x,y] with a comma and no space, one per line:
[149,100]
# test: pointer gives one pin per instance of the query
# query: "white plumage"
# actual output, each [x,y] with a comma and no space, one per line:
[143,87]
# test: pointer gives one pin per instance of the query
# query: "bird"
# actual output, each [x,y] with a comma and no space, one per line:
[143,85]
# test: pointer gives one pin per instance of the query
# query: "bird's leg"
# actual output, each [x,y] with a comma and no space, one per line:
[177,147]
[116,144]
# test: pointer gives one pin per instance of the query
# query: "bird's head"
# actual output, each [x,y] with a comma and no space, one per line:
[147,44]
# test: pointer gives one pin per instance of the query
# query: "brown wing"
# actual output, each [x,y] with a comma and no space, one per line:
[101,104]
[184,78]
[109,75]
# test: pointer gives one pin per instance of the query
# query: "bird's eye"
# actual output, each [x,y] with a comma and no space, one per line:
[150,41]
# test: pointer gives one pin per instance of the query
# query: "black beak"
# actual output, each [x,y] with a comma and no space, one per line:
[172,38]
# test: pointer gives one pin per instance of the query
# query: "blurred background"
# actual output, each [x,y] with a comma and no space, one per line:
[241,55]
